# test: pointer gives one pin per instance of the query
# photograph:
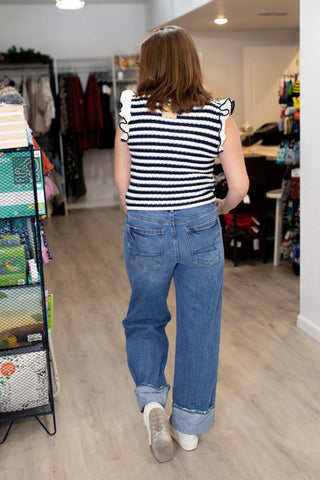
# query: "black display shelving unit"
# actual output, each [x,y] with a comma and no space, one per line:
[25,374]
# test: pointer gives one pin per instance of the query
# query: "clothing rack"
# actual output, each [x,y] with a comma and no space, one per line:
[80,66]
[22,67]
[295,76]
[83,65]
[20,72]
[102,68]
[289,154]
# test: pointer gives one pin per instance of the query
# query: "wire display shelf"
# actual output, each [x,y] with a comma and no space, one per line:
[25,374]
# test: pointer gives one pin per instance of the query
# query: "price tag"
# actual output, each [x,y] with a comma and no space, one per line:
[106,89]
[256,244]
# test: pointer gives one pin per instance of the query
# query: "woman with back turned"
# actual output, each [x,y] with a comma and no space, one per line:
[170,132]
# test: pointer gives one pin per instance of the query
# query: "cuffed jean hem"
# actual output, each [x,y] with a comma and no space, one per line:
[190,421]
[147,393]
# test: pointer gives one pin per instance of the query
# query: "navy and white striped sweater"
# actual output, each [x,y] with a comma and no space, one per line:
[172,158]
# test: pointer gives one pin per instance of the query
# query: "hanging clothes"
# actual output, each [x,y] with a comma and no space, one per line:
[46,109]
[25,95]
[73,130]
[93,112]
[64,105]
[46,164]
[77,112]
[41,109]
[289,154]
[107,133]
[85,122]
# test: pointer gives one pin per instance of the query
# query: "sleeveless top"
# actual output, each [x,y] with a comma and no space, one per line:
[172,158]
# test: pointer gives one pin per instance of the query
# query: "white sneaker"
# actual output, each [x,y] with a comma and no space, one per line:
[186,441]
[157,426]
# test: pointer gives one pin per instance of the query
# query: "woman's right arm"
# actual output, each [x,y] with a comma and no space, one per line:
[122,165]
[234,168]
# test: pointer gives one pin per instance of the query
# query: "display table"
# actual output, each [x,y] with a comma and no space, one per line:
[268,151]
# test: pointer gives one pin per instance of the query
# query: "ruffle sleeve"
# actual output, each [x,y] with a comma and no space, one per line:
[125,113]
[226,107]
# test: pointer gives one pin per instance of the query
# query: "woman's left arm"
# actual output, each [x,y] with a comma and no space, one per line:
[122,165]
[234,167]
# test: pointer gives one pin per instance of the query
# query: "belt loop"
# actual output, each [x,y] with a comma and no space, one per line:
[172,219]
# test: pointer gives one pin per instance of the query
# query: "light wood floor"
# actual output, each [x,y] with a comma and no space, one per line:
[268,402]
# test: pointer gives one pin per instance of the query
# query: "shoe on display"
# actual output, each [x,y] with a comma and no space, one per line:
[160,440]
[186,441]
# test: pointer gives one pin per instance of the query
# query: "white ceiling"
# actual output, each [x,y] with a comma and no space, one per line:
[242,14]
[52,2]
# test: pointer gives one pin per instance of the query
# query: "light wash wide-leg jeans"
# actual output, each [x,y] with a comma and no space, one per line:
[185,245]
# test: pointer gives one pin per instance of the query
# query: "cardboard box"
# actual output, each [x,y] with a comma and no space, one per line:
[13,131]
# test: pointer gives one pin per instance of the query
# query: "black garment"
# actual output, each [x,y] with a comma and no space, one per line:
[75,182]
[108,131]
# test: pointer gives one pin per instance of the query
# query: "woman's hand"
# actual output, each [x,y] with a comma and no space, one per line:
[221,208]
[234,168]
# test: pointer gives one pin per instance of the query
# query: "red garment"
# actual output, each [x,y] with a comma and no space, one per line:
[46,164]
[77,113]
[295,188]
[244,221]
[93,112]
[284,86]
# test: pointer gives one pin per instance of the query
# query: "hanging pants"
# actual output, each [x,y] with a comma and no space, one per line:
[185,245]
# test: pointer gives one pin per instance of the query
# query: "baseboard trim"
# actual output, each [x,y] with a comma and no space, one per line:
[309,327]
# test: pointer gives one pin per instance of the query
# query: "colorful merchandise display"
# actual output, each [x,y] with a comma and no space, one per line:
[37,154]
[16,186]
[24,382]
[9,241]
[25,369]
[289,154]
[21,316]
[12,266]
[289,122]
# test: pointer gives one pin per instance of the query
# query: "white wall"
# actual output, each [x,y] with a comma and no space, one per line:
[159,12]
[94,31]
[262,69]
[222,57]
[309,318]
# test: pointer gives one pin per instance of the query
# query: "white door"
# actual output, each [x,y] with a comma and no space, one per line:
[263,68]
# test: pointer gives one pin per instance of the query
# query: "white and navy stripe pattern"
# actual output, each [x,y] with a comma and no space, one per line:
[172,158]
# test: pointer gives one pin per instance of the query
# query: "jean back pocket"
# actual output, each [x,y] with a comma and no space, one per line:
[145,247]
[205,243]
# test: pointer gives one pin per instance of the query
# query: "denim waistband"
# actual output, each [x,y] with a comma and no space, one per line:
[167,217]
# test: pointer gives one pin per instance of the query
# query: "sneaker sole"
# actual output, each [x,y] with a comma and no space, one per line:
[161,441]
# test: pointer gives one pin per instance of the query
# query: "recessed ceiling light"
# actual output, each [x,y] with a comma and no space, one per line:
[70,4]
[220,21]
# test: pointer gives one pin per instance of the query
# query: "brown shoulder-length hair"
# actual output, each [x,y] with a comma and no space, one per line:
[169,71]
